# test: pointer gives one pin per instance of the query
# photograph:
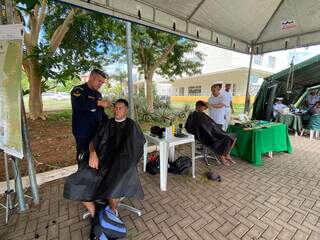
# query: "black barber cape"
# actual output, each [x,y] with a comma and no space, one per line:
[119,146]
[208,133]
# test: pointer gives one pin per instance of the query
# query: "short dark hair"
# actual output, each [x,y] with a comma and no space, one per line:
[200,103]
[121,100]
[99,72]
[216,85]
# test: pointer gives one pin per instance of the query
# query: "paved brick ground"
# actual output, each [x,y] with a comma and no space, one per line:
[280,200]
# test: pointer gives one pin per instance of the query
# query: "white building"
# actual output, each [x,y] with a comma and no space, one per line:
[218,58]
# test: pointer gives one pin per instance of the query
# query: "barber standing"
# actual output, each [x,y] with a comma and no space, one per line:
[216,105]
[88,109]
[227,94]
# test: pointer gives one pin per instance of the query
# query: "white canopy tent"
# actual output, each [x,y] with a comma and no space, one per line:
[241,25]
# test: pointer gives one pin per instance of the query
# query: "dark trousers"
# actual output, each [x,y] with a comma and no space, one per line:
[82,146]
[220,125]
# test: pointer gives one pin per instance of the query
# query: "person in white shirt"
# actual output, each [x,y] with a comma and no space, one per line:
[278,107]
[227,94]
[216,106]
[312,98]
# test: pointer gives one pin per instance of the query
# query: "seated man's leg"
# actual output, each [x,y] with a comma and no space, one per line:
[82,147]
[113,203]
[90,206]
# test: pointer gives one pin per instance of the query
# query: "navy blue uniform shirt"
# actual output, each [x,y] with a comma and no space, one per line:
[86,115]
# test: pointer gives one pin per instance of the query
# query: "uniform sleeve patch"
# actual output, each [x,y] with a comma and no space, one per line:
[76,93]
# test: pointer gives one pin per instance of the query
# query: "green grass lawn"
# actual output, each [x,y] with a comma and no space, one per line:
[50,105]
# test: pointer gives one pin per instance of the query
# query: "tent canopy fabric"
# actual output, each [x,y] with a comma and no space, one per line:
[305,75]
[242,25]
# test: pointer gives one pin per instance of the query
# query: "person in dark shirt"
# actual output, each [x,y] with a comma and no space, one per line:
[88,109]
[87,112]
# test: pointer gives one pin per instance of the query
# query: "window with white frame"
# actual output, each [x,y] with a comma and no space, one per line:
[194,91]
[257,59]
[181,91]
[271,62]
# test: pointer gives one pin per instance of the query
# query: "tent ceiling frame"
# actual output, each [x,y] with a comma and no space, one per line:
[107,9]
[198,31]
[270,19]
[289,37]
[196,9]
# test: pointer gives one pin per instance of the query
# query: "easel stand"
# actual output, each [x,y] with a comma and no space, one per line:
[8,206]
[22,206]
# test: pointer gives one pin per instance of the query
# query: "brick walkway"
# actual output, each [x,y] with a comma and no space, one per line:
[280,200]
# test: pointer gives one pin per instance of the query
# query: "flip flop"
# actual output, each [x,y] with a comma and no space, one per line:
[211,176]
[224,162]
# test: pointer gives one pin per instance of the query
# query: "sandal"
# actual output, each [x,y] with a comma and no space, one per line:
[223,161]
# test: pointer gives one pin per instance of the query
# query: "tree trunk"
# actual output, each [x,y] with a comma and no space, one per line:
[31,66]
[35,98]
[148,79]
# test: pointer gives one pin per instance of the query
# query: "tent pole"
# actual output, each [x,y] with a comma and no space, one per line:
[129,65]
[247,99]
[1,12]
[28,155]
[18,185]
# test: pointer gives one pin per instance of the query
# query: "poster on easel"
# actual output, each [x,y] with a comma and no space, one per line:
[10,89]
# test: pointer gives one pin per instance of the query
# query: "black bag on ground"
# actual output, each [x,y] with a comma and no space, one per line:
[153,167]
[181,165]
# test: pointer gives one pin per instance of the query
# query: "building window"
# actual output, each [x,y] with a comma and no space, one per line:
[258,59]
[271,62]
[254,80]
[194,91]
[181,91]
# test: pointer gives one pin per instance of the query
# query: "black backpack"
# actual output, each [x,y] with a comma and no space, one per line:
[153,167]
[180,166]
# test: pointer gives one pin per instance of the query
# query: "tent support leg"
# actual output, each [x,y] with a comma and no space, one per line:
[129,65]
[28,155]
[247,99]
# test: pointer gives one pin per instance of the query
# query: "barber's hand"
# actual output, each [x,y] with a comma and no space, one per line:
[104,103]
[93,161]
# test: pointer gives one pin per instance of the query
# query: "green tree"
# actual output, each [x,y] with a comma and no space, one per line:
[165,54]
[120,76]
[61,43]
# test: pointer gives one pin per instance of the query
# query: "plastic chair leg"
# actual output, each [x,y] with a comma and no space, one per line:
[311,134]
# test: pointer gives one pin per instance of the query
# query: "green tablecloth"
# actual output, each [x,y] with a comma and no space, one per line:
[291,120]
[251,144]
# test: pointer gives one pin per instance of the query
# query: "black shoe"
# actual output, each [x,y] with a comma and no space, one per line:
[213,177]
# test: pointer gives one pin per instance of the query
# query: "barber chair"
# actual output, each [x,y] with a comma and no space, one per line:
[204,153]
